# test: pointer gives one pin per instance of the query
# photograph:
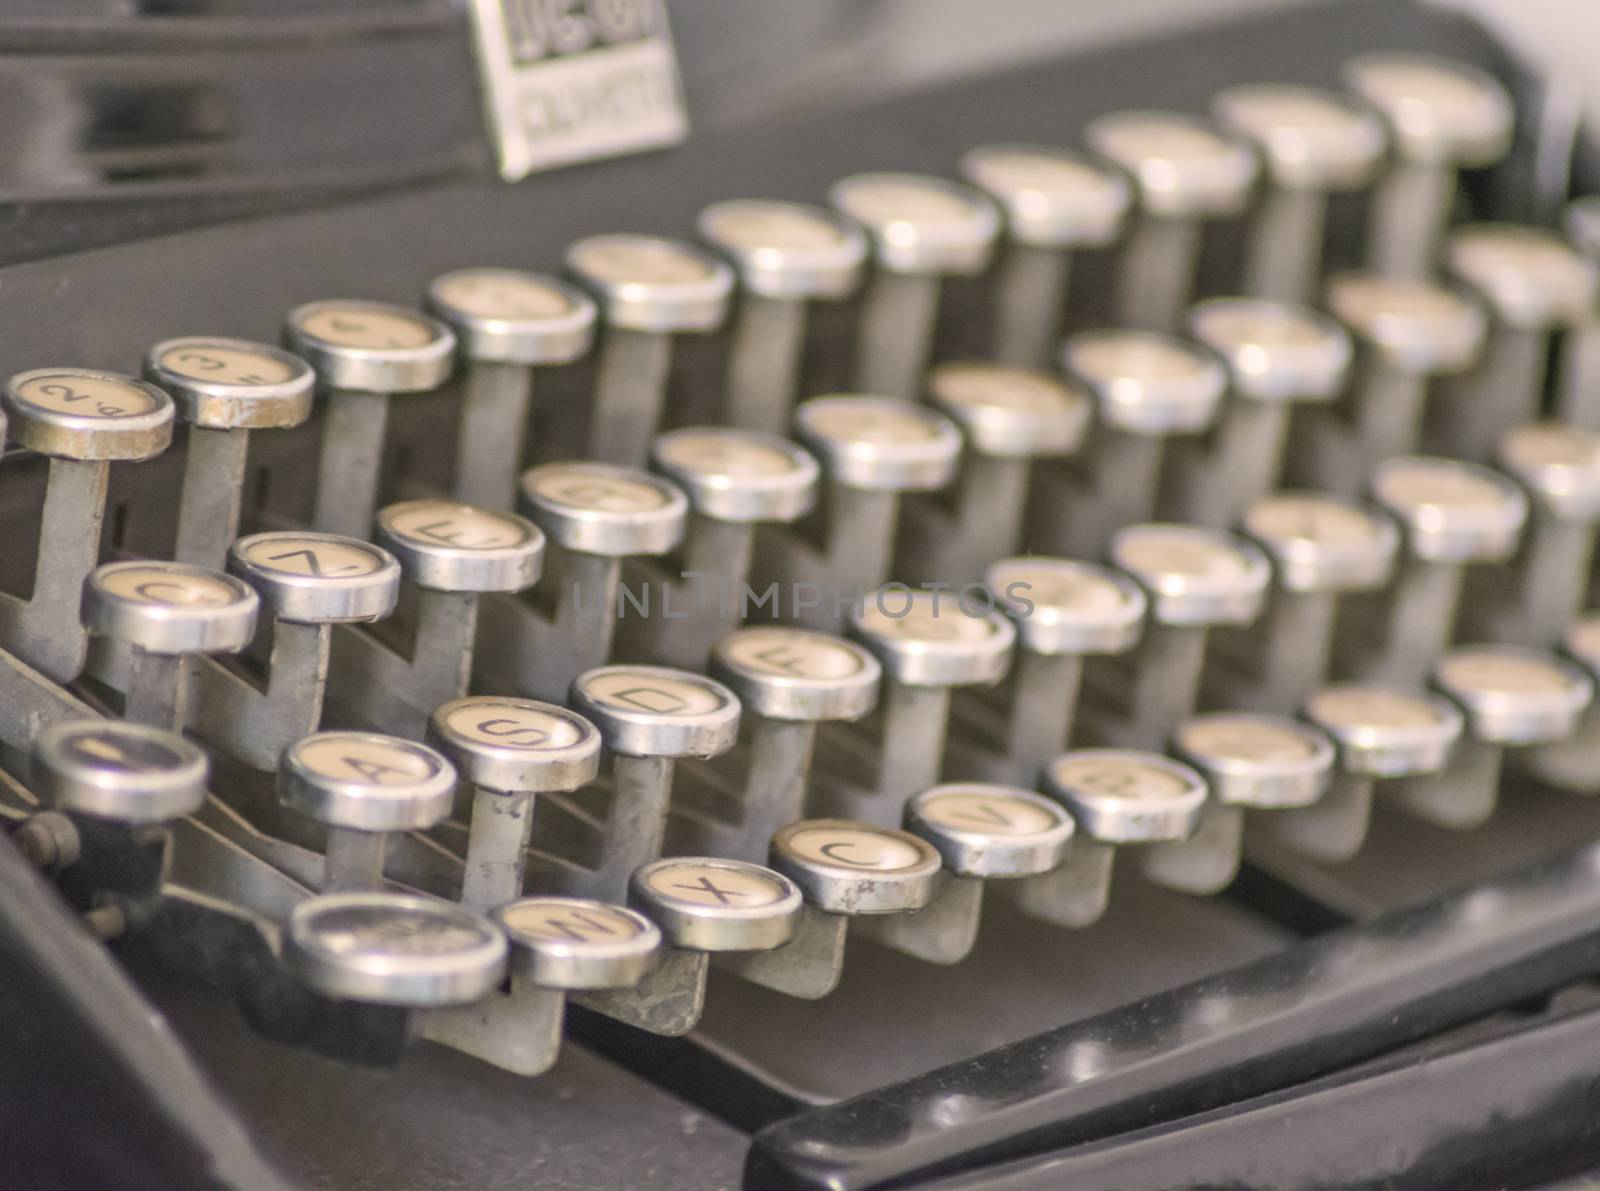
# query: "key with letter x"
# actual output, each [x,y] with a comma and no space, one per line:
[728,909]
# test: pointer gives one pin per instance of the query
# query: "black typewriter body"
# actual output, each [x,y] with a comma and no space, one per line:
[1415,1009]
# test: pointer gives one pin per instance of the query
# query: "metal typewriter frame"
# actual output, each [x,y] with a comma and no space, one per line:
[1408,980]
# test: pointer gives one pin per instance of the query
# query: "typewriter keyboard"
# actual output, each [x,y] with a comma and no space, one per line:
[747,667]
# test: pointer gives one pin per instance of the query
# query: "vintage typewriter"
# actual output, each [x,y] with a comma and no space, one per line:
[1011,627]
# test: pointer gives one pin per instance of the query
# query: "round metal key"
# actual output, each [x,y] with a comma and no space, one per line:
[1530,277]
[507,316]
[1147,383]
[1262,761]
[845,867]
[1451,511]
[926,638]
[317,578]
[596,508]
[371,347]
[1581,222]
[786,250]
[738,475]
[1309,139]
[652,284]
[702,904]
[1194,576]
[446,546]
[1386,733]
[1120,796]
[1438,110]
[1182,165]
[653,711]
[516,745]
[1582,642]
[1062,606]
[1275,351]
[1323,543]
[394,949]
[575,942]
[987,830]
[366,782]
[123,772]
[232,384]
[1559,464]
[86,414]
[1008,411]
[1052,198]
[797,674]
[878,443]
[920,224]
[1415,327]
[169,607]
[1514,696]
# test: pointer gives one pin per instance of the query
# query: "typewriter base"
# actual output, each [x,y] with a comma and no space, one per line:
[440,1120]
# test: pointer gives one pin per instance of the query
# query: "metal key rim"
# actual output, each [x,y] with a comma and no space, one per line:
[221,405]
[318,599]
[468,972]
